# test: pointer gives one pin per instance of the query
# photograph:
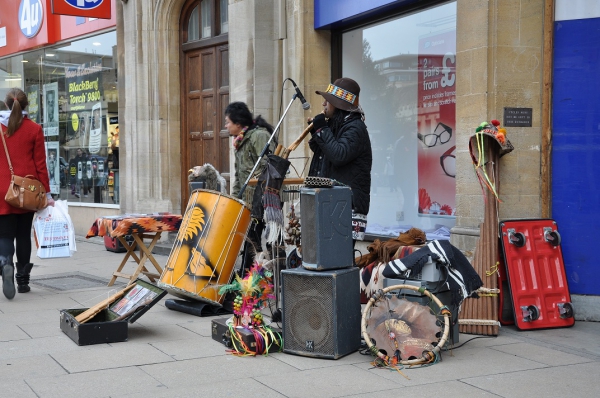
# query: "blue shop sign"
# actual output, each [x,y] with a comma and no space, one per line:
[337,13]
[85,4]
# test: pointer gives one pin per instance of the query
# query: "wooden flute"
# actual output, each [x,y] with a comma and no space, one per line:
[285,152]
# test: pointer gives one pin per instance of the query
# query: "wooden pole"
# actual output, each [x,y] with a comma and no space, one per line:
[546,150]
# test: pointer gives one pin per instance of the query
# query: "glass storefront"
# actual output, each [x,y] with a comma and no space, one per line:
[406,68]
[72,90]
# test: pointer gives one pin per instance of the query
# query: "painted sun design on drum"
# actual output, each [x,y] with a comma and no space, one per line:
[199,265]
[196,224]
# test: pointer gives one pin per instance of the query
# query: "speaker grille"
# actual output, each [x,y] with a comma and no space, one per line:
[308,229]
[309,312]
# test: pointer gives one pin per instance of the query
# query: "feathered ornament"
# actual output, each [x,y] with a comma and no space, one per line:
[252,295]
[493,130]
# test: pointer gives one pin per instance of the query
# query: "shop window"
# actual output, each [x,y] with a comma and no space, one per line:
[72,90]
[408,95]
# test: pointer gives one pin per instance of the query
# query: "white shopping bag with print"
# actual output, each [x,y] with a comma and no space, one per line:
[55,235]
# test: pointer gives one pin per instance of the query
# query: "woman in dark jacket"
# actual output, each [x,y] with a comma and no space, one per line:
[342,148]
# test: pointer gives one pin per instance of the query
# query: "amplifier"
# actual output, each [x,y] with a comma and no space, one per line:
[321,312]
[433,287]
[326,228]
[430,272]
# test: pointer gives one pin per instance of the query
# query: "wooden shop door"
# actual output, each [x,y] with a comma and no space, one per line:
[204,93]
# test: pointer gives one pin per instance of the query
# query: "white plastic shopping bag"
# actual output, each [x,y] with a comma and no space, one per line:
[54,231]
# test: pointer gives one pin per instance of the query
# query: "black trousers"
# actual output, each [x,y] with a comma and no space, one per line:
[16,228]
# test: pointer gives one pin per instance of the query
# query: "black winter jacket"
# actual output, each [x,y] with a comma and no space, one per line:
[345,156]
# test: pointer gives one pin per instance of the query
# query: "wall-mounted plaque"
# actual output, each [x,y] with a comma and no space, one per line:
[518,117]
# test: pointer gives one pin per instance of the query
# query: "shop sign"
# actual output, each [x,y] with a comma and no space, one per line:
[331,13]
[3,36]
[26,24]
[83,8]
[31,17]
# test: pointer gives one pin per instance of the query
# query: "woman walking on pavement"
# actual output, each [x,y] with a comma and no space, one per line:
[25,144]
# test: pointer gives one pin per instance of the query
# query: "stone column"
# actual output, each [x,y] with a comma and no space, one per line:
[149,93]
[499,64]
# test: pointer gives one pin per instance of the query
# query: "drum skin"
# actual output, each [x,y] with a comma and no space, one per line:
[203,257]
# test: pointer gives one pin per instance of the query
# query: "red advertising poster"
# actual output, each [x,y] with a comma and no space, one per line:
[436,124]
[83,8]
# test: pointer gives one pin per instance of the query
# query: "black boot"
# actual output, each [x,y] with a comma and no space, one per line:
[22,277]
[8,279]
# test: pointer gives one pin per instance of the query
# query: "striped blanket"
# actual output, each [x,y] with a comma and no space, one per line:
[462,278]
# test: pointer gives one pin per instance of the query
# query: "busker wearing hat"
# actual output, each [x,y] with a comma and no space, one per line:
[342,148]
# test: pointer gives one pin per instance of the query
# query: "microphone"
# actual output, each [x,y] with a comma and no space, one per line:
[305,104]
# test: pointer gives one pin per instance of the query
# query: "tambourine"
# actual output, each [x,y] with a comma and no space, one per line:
[428,355]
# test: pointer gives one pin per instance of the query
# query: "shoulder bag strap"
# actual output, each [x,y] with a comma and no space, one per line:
[6,150]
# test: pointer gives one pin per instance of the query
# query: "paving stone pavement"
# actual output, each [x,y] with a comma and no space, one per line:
[172,354]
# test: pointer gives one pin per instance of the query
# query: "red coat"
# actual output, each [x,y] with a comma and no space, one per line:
[28,156]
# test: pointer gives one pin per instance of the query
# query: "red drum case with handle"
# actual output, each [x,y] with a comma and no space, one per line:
[536,274]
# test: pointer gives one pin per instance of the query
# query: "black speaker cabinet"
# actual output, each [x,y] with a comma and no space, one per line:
[321,312]
[326,228]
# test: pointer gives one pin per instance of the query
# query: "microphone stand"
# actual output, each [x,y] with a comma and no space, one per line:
[266,148]
[240,195]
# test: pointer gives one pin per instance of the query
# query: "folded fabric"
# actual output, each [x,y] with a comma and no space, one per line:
[463,280]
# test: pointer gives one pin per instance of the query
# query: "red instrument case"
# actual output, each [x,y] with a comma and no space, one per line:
[536,274]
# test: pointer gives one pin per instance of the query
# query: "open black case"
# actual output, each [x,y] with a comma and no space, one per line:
[110,325]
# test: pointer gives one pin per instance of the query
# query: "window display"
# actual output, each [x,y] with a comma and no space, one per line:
[408,95]
[72,91]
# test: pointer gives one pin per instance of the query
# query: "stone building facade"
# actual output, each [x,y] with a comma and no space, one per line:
[501,62]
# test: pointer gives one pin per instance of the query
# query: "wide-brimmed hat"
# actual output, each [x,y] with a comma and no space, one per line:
[343,94]
[492,129]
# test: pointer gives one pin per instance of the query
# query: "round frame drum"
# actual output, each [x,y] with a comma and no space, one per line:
[203,257]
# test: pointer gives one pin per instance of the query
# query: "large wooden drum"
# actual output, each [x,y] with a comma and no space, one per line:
[203,257]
